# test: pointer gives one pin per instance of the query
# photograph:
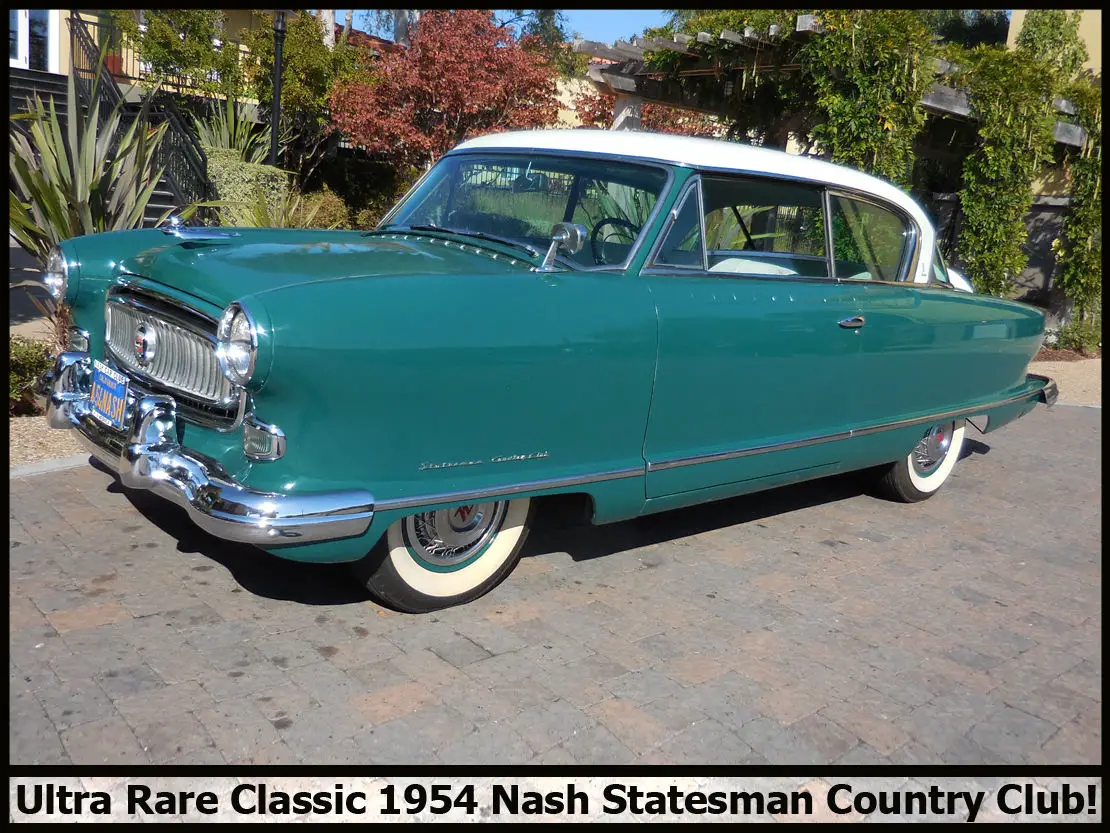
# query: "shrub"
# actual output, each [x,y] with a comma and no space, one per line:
[1081,336]
[327,208]
[27,360]
[237,181]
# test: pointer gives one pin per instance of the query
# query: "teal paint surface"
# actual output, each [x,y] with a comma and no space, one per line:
[428,366]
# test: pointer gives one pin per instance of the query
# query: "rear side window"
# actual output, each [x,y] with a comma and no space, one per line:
[869,241]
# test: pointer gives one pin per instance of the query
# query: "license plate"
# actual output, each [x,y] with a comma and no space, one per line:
[109,395]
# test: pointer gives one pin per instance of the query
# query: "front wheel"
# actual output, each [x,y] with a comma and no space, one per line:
[920,474]
[432,560]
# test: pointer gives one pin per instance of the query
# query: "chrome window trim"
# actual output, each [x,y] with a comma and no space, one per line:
[907,267]
[528,153]
[826,206]
[650,266]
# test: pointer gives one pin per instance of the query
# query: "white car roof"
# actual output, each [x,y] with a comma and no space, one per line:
[701,153]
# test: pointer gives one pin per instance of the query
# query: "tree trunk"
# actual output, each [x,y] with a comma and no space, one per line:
[327,17]
[404,25]
[347,25]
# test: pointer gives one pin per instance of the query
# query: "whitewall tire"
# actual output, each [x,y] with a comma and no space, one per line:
[924,470]
[432,560]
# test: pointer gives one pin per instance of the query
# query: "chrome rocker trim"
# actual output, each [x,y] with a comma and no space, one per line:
[148,456]
[1046,394]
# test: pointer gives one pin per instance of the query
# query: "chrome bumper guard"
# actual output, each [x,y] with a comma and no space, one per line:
[148,456]
[1049,393]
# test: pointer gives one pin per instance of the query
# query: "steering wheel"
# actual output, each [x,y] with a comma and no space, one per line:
[609,221]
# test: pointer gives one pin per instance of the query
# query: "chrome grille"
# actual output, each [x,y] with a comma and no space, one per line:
[184,360]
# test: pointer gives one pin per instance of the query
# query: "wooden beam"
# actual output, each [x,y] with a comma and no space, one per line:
[705,37]
[599,50]
[621,83]
[773,30]
[1069,134]
[946,100]
[625,47]
[731,36]
[681,38]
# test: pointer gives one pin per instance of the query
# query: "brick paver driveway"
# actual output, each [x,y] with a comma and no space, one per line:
[812,624]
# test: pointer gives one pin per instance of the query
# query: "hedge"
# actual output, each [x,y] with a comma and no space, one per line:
[27,360]
[238,181]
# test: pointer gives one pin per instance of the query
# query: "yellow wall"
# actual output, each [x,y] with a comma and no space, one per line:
[1090,32]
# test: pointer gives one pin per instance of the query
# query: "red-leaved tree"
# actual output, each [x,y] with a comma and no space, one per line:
[461,77]
[595,109]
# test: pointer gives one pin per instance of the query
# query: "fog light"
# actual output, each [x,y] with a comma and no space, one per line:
[78,340]
[262,441]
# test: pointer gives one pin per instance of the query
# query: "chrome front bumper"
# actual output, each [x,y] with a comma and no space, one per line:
[148,456]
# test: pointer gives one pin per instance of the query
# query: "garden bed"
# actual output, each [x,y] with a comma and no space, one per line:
[30,440]
[1051,354]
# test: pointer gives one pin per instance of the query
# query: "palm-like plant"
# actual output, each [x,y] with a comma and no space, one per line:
[291,211]
[82,180]
[227,128]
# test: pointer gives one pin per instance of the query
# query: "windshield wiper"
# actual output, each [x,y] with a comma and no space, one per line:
[479,234]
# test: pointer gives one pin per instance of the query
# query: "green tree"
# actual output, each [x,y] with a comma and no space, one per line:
[309,72]
[178,44]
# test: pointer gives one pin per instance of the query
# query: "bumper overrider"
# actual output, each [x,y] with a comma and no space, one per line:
[147,456]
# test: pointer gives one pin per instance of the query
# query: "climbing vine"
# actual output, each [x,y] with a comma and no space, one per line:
[1079,247]
[870,69]
[855,88]
[1010,96]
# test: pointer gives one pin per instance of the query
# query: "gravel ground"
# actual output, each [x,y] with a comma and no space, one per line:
[31,441]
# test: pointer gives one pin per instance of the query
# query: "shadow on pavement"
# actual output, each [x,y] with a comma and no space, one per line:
[331,584]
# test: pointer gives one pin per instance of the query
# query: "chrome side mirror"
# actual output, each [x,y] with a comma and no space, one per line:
[568,237]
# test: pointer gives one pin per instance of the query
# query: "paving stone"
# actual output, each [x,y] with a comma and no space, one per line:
[108,740]
[805,625]
[490,743]
[706,742]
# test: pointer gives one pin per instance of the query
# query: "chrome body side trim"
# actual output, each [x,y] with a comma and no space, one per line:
[473,495]
[1046,394]
[147,456]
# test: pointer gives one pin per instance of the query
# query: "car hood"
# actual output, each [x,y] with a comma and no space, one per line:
[263,260]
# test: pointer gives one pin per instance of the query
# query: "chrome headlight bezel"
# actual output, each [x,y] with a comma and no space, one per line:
[56,274]
[237,344]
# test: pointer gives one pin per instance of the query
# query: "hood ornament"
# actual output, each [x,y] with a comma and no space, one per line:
[175,227]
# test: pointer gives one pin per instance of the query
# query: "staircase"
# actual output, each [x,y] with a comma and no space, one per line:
[23,84]
[185,165]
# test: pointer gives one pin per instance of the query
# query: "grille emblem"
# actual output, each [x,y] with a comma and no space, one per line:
[145,343]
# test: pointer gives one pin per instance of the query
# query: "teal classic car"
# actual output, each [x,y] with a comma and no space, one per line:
[642,321]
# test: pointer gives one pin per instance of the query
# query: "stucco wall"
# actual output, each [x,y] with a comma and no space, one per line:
[1090,31]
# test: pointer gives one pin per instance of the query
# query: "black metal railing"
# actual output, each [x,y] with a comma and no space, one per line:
[180,153]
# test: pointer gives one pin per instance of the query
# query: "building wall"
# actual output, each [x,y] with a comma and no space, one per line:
[1090,32]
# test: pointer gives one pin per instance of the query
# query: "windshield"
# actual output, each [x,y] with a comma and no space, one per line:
[518,198]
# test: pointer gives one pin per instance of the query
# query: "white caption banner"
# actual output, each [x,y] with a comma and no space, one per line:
[587,799]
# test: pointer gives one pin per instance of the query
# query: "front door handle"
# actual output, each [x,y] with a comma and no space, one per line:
[853,323]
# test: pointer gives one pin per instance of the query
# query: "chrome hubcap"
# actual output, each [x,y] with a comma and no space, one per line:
[448,537]
[933,448]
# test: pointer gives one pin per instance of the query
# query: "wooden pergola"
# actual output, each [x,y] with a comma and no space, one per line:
[622,72]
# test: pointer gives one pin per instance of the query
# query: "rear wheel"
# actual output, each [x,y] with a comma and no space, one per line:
[432,560]
[920,474]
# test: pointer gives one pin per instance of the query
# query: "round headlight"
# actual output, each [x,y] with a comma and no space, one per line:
[236,344]
[56,274]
